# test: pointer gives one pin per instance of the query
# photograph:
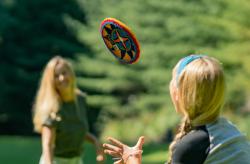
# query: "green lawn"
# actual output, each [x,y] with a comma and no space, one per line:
[27,150]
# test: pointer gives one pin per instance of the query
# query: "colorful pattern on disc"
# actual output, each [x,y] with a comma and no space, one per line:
[120,40]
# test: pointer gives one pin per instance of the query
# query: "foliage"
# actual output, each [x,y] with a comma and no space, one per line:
[31,32]
[125,101]
[133,99]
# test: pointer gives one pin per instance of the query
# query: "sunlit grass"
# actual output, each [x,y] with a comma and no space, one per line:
[27,150]
[158,157]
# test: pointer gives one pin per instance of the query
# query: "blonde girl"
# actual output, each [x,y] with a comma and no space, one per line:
[197,91]
[60,115]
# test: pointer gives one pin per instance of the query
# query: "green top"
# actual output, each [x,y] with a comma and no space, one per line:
[70,129]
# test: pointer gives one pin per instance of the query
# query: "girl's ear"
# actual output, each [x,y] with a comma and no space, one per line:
[176,97]
[175,94]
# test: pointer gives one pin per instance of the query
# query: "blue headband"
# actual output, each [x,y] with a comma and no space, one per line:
[184,62]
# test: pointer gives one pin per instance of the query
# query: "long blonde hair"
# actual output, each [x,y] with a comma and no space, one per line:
[47,101]
[201,90]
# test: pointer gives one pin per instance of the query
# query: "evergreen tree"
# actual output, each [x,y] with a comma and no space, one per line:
[31,32]
[134,98]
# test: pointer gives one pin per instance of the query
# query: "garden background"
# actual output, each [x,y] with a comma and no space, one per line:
[125,101]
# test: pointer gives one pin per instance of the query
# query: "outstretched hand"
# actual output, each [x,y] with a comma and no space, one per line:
[122,152]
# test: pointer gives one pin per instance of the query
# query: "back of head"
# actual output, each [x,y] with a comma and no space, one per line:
[201,89]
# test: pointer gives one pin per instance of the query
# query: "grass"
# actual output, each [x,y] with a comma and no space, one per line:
[17,149]
[154,154]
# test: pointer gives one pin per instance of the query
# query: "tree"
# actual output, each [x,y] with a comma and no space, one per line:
[135,97]
[31,33]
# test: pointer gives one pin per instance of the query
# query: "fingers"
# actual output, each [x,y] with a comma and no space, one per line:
[113,148]
[118,162]
[140,142]
[115,142]
[112,153]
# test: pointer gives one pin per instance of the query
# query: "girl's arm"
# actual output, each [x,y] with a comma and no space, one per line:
[92,139]
[48,135]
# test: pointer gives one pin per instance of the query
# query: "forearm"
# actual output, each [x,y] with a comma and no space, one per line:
[91,138]
[133,160]
[48,136]
[47,155]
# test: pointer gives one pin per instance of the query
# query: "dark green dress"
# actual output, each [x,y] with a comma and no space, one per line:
[71,128]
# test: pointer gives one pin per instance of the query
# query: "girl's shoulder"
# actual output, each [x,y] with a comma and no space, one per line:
[81,97]
[81,94]
[193,147]
[198,136]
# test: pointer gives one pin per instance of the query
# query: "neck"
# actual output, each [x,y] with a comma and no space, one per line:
[67,95]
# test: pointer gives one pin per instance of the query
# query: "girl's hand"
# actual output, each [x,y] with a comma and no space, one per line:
[99,151]
[123,153]
[100,157]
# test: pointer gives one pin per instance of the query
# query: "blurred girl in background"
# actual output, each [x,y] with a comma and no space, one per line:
[60,116]
[197,90]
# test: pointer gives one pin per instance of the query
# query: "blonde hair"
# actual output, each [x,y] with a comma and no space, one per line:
[47,101]
[201,90]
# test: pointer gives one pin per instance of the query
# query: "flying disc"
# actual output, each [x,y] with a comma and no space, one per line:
[120,40]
